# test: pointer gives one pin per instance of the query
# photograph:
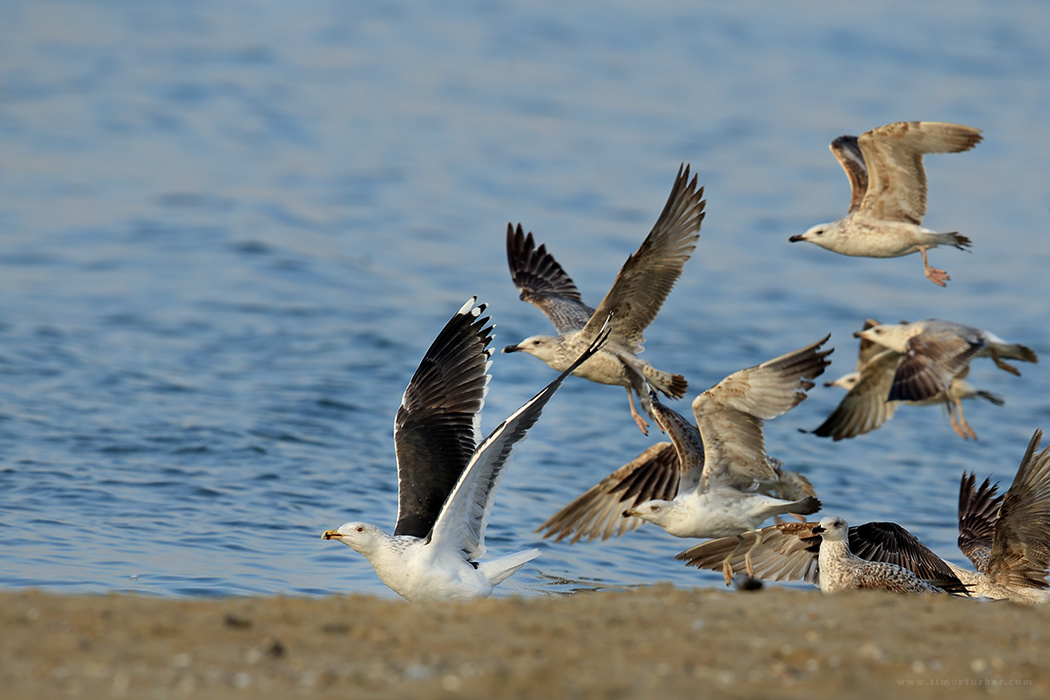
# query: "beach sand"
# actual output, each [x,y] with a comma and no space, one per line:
[653,642]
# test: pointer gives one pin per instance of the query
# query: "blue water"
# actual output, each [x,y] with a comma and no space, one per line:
[228,232]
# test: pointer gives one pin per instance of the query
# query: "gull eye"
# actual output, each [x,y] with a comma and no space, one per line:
[360,528]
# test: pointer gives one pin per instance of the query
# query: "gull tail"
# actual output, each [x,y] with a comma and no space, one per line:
[670,385]
[989,396]
[498,569]
[953,239]
[807,506]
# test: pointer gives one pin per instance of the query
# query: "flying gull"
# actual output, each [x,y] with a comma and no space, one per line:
[635,298]
[722,457]
[1007,537]
[834,556]
[866,405]
[933,352]
[446,479]
[888,199]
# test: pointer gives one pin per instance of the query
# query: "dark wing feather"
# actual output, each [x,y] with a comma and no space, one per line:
[892,544]
[542,282]
[930,361]
[978,512]
[847,152]
[437,426]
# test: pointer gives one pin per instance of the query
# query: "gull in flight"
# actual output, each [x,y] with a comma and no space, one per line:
[1007,536]
[635,298]
[882,556]
[446,479]
[722,457]
[866,405]
[888,201]
[933,352]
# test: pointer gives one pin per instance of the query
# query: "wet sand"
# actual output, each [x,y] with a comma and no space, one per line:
[651,642]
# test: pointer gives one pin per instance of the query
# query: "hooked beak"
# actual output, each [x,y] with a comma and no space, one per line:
[512,348]
[331,535]
[630,513]
[817,529]
[796,238]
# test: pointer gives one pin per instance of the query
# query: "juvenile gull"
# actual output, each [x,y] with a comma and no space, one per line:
[866,405]
[446,479]
[934,352]
[881,556]
[635,298]
[1007,537]
[888,192]
[721,459]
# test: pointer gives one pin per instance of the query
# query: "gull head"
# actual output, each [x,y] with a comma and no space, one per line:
[846,381]
[360,537]
[832,528]
[824,235]
[656,511]
[544,347]
[894,336]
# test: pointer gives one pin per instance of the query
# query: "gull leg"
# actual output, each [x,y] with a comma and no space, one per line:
[747,555]
[634,414]
[961,426]
[1002,365]
[727,568]
[938,277]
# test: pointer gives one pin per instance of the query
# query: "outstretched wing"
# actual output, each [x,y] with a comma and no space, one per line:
[730,414]
[645,280]
[787,552]
[465,514]
[1021,548]
[438,424]
[542,282]
[847,152]
[598,512]
[893,155]
[930,361]
[978,512]
[865,407]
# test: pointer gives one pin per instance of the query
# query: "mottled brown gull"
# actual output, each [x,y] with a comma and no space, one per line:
[880,556]
[447,479]
[888,192]
[1007,537]
[933,352]
[634,300]
[866,405]
[722,458]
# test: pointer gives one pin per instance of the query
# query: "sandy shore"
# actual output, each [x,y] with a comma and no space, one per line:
[652,642]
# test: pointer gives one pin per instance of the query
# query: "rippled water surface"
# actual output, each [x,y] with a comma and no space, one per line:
[228,232]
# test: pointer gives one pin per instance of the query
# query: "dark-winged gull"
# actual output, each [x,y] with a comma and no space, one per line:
[888,199]
[866,405]
[933,352]
[721,458]
[635,298]
[882,556]
[1007,537]
[446,479]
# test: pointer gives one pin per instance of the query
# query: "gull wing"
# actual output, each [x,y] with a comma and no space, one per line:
[930,361]
[730,414]
[892,544]
[847,152]
[542,282]
[465,514]
[788,552]
[865,407]
[645,280]
[893,156]
[438,424]
[978,512]
[1021,548]
[598,512]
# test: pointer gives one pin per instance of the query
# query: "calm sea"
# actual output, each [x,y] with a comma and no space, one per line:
[228,232]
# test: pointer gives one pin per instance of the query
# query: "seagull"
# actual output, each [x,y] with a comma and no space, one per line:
[1007,537]
[446,478]
[888,199]
[933,352]
[866,405]
[721,458]
[834,556]
[654,474]
[635,298]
